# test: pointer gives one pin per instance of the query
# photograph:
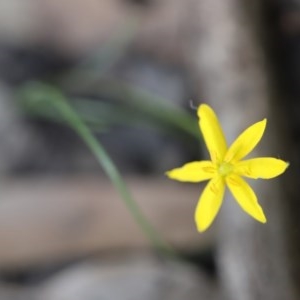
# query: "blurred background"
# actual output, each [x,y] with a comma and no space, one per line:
[134,71]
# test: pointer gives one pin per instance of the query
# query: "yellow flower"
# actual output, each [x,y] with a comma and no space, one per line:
[227,168]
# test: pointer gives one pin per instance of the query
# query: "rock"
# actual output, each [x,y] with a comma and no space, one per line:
[10,291]
[50,23]
[18,140]
[134,278]
[54,220]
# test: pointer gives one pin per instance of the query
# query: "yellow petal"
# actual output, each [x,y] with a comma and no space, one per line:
[209,203]
[245,197]
[246,141]
[212,133]
[262,167]
[193,172]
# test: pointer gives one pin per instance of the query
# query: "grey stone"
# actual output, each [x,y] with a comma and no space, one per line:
[131,279]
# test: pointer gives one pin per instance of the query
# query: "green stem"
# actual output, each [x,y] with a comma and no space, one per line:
[104,160]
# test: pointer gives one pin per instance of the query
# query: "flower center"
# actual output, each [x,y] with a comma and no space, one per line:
[225,168]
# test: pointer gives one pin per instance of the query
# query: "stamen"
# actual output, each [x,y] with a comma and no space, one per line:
[234,182]
[209,169]
[214,189]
